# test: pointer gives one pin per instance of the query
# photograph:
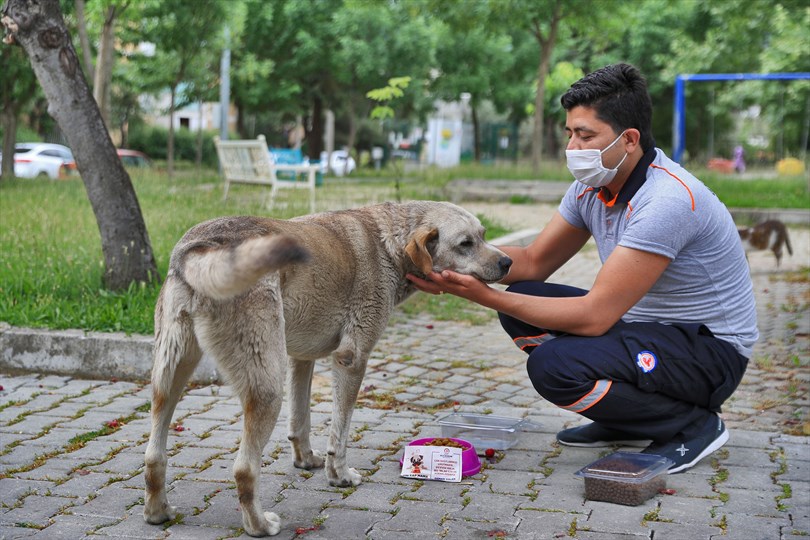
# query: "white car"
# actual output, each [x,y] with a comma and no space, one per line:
[341,163]
[32,160]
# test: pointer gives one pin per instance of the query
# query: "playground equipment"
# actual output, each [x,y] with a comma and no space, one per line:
[679,116]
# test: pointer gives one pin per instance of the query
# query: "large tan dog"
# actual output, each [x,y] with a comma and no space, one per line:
[252,292]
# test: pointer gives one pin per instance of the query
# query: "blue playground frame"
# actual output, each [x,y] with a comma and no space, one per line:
[679,116]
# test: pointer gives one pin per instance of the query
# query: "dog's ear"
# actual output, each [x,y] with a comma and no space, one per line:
[417,248]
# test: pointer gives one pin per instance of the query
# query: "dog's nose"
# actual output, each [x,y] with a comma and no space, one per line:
[504,263]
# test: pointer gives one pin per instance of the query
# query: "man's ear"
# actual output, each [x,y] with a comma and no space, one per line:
[632,140]
[417,248]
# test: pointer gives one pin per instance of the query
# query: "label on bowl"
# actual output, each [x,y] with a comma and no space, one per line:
[441,463]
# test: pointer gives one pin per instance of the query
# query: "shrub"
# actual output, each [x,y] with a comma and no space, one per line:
[154,142]
[789,167]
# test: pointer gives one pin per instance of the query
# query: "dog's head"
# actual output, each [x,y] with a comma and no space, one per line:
[451,238]
[416,460]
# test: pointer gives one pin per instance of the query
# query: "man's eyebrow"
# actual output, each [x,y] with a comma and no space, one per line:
[580,130]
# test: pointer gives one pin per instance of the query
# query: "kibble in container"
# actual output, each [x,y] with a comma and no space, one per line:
[625,477]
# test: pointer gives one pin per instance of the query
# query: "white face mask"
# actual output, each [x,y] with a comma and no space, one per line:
[587,166]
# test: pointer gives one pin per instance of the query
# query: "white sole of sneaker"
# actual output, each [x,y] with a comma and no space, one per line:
[637,443]
[716,444]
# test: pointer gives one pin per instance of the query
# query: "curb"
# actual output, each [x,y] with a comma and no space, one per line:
[102,355]
[546,191]
[90,355]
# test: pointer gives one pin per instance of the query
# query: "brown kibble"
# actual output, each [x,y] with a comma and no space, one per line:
[444,441]
[610,483]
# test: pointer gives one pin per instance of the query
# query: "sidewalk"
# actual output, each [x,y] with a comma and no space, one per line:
[71,449]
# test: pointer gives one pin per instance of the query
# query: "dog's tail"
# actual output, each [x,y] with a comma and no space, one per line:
[227,271]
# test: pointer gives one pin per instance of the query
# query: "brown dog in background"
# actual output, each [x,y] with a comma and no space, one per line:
[771,234]
[266,298]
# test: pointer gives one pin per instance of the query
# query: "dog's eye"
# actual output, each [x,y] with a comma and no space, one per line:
[466,244]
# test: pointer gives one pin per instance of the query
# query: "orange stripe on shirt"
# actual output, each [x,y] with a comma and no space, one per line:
[679,180]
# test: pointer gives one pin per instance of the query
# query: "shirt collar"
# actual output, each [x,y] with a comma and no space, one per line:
[634,182]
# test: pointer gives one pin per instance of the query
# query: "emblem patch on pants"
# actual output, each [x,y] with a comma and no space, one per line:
[647,361]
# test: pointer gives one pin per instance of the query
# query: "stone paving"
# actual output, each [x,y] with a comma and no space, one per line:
[71,450]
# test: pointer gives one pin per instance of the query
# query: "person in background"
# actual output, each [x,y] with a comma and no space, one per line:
[663,337]
[739,159]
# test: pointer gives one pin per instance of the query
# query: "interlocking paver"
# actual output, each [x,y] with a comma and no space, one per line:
[756,487]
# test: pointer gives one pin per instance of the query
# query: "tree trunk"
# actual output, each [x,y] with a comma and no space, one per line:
[315,137]
[104,65]
[9,120]
[351,116]
[84,40]
[546,48]
[40,28]
[476,134]
[170,143]
[198,155]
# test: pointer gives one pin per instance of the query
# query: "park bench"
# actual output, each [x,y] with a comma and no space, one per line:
[250,162]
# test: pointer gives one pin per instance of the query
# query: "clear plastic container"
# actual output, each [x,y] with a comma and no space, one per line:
[625,477]
[484,430]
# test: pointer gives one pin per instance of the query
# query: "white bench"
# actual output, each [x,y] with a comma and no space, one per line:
[248,162]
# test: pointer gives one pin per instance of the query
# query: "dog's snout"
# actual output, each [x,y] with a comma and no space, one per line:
[504,263]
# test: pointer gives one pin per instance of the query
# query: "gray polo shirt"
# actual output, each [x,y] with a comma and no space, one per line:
[663,209]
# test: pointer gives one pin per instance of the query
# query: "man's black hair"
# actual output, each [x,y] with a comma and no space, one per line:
[618,94]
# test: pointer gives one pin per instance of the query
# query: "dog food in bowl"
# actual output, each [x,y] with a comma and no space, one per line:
[470,463]
[445,441]
[625,477]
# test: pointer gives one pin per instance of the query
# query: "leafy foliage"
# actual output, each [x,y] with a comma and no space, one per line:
[395,89]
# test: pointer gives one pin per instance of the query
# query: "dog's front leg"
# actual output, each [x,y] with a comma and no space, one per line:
[346,385]
[299,383]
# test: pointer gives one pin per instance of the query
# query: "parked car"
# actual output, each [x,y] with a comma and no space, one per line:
[33,160]
[133,158]
[340,163]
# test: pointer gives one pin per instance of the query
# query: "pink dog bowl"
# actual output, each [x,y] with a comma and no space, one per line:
[470,464]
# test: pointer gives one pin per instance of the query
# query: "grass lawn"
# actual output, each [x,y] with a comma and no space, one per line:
[51,264]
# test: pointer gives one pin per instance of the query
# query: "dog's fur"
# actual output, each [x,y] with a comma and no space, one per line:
[771,234]
[265,297]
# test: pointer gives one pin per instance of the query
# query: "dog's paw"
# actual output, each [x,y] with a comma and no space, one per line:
[312,461]
[160,515]
[351,478]
[271,526]
[344,357]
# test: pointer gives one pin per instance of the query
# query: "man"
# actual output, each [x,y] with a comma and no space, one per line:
[663,337]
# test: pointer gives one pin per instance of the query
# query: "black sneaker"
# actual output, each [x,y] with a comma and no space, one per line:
[594,435]
[686,453]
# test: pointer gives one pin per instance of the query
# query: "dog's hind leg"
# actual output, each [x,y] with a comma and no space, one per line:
[176,354]
[299,382]
[262,406]
[252,354]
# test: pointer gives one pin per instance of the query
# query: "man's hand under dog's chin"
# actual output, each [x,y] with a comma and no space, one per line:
[449,282]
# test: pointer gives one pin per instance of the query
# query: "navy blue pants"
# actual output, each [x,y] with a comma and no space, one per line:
[647,379]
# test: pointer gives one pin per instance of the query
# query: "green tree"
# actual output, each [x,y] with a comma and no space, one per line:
[18,86]
[40,29]
[295,42]
[376,41]
[471,61]
[186,37]
[788,104]
[546,21]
